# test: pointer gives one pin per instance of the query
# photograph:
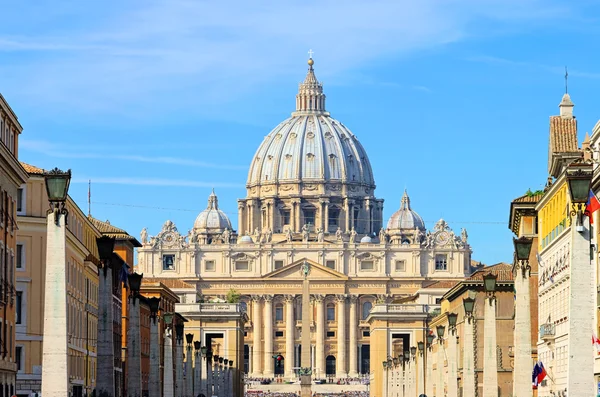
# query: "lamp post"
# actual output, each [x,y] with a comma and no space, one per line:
[440,330]
[189,371]
[405,375]
[179,380]
[468,349]
[226,391]
[452,355]
[168,384]
[580,375]
[221,375]
[429,359]
[421,368]
[55,375]
[522,334]
[134,358]
[207,354]
[490,363]
[413,371]
[105,373]
[197,369]
[232,374]
[154,380]
[385,383]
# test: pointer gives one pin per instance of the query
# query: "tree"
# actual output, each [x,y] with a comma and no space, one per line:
[233,296]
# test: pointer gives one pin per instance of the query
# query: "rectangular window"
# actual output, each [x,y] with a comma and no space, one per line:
[242,266]
[331,334]
[401,266]
[438,301]
[278,264]
[279,313]
[330,264]
[309,216]
[20,197]
[441,262]
[20,256]
[334,215]
[18,307]
[330,313]
[18,351]
[286,215]
[209,266]
[168,262]
[367,265]
[366,334]
[279,334]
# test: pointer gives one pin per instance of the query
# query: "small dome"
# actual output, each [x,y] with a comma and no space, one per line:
[366,240]
[212,219]
[245,240]
[405,217]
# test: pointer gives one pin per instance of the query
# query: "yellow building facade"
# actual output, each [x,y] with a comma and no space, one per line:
[82,290]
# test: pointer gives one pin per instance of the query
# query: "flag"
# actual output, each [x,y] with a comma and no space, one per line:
[538,375]
[539,259]
[596,343]
[124,275]
[591,206]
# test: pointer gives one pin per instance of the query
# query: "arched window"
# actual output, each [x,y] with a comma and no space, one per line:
[279,312]
[330,312]
[330,365]
[366,309]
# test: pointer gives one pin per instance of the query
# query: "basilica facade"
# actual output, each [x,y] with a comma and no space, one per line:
[310,199]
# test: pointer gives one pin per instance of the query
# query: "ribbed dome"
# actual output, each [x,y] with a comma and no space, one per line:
[311,146]
[405,217]
[212,219]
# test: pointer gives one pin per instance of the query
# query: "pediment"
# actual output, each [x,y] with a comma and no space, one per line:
[317,272]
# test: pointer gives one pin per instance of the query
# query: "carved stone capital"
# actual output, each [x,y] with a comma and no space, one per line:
[353,298]
[341,298]
[289,298]
[268,297]
[256,298]
[318,298]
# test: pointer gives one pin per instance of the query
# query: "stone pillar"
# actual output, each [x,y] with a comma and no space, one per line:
[452,365]
[522,334]
[256,331]
[226,390]
[293,215]
[347,215]
[232,376]
[189,371]
[179,381]
[55,371]
[341,337]
[580,375]
[216,378]
[421,372]
[209,377]
[241,226]
[351,209]
[134,358]
[490,359]
[198,373]
[154,376]
[468,358]
[326,221]
[298,216]
[105,377]
[320,342]
[353,345]
[439,390]
[168,385]
[290,337]
[268,337]
[429,376]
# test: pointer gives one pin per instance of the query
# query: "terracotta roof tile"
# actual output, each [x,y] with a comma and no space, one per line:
[563,135]
[113,231]
[502,270]
[31,169]
[169,282]
[442,284]
[529,198]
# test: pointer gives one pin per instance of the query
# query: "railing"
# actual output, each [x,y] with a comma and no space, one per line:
[547,331]
[210,307]
[398,308]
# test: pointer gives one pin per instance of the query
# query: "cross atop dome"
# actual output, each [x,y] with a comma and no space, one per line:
[310,98]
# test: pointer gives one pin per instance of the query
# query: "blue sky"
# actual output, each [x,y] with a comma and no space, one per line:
[159,101]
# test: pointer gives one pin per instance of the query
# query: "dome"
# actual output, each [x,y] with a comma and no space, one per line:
[405,217]
[311,147]
[245,240]
[366,240]
[212,219]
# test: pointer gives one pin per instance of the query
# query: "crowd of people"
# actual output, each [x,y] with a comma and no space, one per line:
[343,394]
[257,393]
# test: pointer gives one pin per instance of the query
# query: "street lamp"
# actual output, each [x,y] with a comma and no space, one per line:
[523,247]
[421,346]
[57,188]
[579,178]
[469,305]
[440,329]
[154,304]
[489,285]
[468,354]
[197,346]
[168,317]
[179,331]
[452,317]
[413,351]
[189,338]
[430,338]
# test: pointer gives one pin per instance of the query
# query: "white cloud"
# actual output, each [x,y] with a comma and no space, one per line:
[160,53]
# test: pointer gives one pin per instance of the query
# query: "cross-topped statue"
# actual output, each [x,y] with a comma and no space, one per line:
[310,53]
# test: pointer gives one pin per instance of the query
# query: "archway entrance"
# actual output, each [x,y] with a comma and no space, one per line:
[330,365]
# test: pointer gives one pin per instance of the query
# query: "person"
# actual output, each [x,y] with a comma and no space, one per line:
[338,234]
[320,236]
[353,236]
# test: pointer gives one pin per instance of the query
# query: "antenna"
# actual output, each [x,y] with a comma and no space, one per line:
[90,197]
[566,81]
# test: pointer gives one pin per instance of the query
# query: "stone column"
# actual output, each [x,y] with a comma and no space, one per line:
[293,215]
[347,214]
[580,375]
[421,372]
[341,337]
[522,334]
[429,378]
[320,342]
[189,371]
[256,331]
[351,209]
[134,358]
[154,378]
[216,378]
[452,365]
[298,218]
[326,227]
[105,378]
[353,345]
[290,337]
[468,358]
[490,363]
[179,381]
[55,371]
[268,337]
[168,385]
[209,377]
[241,226]
[439,391]
[197,373]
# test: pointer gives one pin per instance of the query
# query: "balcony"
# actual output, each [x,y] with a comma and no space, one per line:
[547,332]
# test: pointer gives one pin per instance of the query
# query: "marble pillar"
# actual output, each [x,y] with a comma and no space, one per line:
[320,337]
[179,380]
[268,352]
[468,350]
[290,336]
[340,361]
[580,366]
[154,376]
[198,364]
[522,334]
[134,357]
[256,335]
[55,371]
[421,373]
[429,376]
[105,373]
[168,384]
[353,342]
[490,358]
[439,390]
[452,365]
[189,372]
